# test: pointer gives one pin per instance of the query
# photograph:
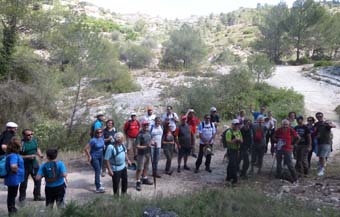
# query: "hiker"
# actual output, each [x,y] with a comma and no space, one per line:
[30,152]
[109,133]
[262,112]
[234,140]
[143,145]
[207,132]
[185,142]
[259,144]
[7,135]
[193,122]
[131,130]
[156,136]
[116,159]
[292,119]
[285,137]
[16,172]
[245,147]
[149,116]
[323,135]
[97,124]
[303,147]
[271,126]
[94,152]
[241,116]
[168,145]
[214,117]
[172,117]
[55,174]
[312,130]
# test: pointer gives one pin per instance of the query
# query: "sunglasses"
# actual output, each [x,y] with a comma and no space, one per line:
[310,120]
[99,132]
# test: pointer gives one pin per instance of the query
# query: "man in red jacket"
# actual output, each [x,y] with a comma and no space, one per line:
[131,129]
[285,138]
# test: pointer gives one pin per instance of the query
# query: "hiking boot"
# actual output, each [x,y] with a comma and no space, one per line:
[208,169]
[169,172]
[39,198]
[138,186]
[321,172]
[178,169]
[22,198]
[100,190]
[103,174]
[194,155]
[146,182]
[158,176]
[186,167]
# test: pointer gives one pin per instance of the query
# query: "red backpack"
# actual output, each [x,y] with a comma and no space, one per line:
[258,136]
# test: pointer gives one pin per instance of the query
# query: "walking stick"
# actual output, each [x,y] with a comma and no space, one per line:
[153,168]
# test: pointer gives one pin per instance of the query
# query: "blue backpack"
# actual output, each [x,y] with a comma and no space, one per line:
[3,166]
[51,172]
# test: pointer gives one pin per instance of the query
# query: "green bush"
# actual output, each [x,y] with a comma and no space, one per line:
[227,57]
[323,63]
[136,56]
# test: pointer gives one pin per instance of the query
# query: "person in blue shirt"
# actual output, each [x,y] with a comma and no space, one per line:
[116,159]
[55,174]
[16,171]
[262,112]
[97,124]
[94,152]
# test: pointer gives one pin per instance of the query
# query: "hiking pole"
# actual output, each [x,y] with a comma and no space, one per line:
[152,164]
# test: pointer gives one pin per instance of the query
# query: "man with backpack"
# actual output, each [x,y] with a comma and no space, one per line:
[55,174]
[97,124]
[207,132]
[30,152]
[172,117]
[245,148]
[131,130]
[303,147]
[6,136]
[259,144]
[185,141]
[234,140]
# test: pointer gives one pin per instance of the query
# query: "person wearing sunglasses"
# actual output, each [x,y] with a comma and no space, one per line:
[312,130]
[94,152]
[30,152]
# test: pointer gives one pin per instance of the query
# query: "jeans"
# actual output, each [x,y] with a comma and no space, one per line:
[244,156]
[30,170]
[287,159]
[168,151]
[200,158]
[12,192]
[232,166]
[155,156]
[55,194]
[302,159]
[117,176]
[257,155]
[96,163]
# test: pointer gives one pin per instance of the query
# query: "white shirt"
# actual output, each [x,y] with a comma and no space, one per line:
[173,117]
[150,118]
[156,135]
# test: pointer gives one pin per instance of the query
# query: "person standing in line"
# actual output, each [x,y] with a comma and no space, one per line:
[168,143]
[271,130]
[312,130]
[6,136]
[255,114]
[241,117]
[185,141]
[259,144]
[193,122]
[245,147]
[116,160]
[156,136]
[149,116]
[16,172]
[29,152]
[172,117]
[109,133]
[292,119]
[97,124]
[207,132]
[214,117]
[94,152]
[131,130]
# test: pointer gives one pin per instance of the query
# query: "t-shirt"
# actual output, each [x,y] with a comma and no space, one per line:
[61,171]
[97,147]
[323,132]
[259,134]
[117,160]
[156,135]
[214,118]
[230,135]
[303,132]
[173,118]
[143,139]
[131,128]
[293,123]
[107,134]
[207,131]
[97,125]
[247,135]
[184,135]
[150,118]
[257,114]
[14,179]
[286,134]
[5,138]
[193,123]
[29,148]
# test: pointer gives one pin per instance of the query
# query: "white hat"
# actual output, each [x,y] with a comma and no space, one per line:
[235,121]
[133,114]
[191,110]
[11,125]
[213,109]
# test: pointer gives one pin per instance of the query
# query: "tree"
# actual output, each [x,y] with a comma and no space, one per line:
[136,56]
[184,49]
[303,15]
[274,32]
[260,66]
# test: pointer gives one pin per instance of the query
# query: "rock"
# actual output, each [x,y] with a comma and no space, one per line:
[285,189]
[157,212]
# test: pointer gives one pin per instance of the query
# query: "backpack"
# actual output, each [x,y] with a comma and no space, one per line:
[223,138]
[117,153]
[51,172]
[258,136]
[211,125]
[3,167]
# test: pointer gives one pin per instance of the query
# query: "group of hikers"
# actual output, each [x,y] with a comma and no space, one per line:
[139,145]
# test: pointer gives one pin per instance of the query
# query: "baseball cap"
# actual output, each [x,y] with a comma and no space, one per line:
[191,110]
[235,121]
[184,117]
[213,109]
[133,114]
[145,122]
[11,125]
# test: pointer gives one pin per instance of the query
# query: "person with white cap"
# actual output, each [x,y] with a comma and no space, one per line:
[234,139]
[7,135]
[214,117]
[131,130]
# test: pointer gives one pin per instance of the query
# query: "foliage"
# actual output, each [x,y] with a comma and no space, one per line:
[322,63]
[227,57]
[184,49]
[260,66]
[136,56]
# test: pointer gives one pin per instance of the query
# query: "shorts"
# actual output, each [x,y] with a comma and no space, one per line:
[184,151]
[130,143]
[143,161]
[324,150]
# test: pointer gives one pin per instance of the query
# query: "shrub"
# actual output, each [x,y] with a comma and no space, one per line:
[136,56]
[227,57]
[323,63]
